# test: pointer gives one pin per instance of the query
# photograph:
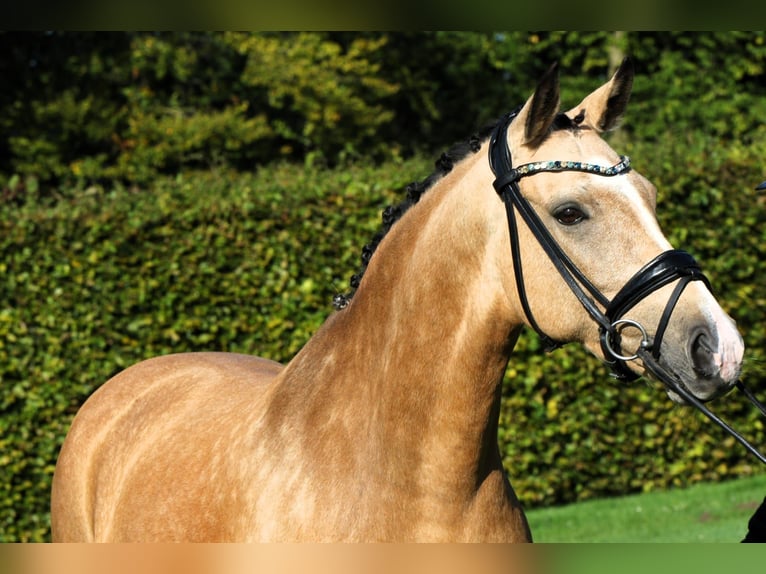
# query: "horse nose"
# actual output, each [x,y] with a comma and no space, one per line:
[713,362]
[702,352]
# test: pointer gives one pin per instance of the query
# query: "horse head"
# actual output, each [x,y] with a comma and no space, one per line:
[596,267]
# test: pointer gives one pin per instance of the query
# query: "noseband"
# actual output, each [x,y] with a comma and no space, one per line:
[668,267]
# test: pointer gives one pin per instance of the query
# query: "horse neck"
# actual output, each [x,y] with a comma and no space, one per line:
[418,356]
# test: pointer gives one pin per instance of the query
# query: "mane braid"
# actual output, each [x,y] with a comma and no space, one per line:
[414,191]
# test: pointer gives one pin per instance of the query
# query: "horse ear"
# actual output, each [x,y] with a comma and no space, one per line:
[541,108]
[603,109]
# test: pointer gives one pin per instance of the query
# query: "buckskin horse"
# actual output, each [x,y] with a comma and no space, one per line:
[383,427]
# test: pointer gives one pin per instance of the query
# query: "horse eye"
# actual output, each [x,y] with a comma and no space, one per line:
[569,216]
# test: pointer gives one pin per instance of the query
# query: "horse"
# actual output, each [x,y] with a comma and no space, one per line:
[383,427]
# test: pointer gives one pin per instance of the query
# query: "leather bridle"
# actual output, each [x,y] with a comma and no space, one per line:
[668,267]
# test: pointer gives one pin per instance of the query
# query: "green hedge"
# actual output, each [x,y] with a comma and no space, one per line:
[83,108]
[249,263]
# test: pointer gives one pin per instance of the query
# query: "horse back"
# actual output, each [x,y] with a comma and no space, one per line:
[162,430]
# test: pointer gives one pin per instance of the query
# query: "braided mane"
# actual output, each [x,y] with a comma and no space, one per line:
[414,191]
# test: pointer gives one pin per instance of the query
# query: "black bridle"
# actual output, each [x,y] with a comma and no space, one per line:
[668,267]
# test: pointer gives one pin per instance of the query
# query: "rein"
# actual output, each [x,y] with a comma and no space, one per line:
[668,267]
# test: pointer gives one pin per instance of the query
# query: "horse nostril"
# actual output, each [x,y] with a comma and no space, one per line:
[702,353]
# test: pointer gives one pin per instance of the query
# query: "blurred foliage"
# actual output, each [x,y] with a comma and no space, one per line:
[84,108]
[171,192]
[328,97]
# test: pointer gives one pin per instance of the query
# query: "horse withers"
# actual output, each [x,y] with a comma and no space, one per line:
[384,426]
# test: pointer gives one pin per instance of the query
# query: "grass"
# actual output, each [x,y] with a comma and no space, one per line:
[701,513]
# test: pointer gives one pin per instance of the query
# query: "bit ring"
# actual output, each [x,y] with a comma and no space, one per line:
[630,322]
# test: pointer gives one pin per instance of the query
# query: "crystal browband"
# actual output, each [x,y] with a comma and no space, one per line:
[539,166]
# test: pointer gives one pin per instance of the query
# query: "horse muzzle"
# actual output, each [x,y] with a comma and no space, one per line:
[716,361]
